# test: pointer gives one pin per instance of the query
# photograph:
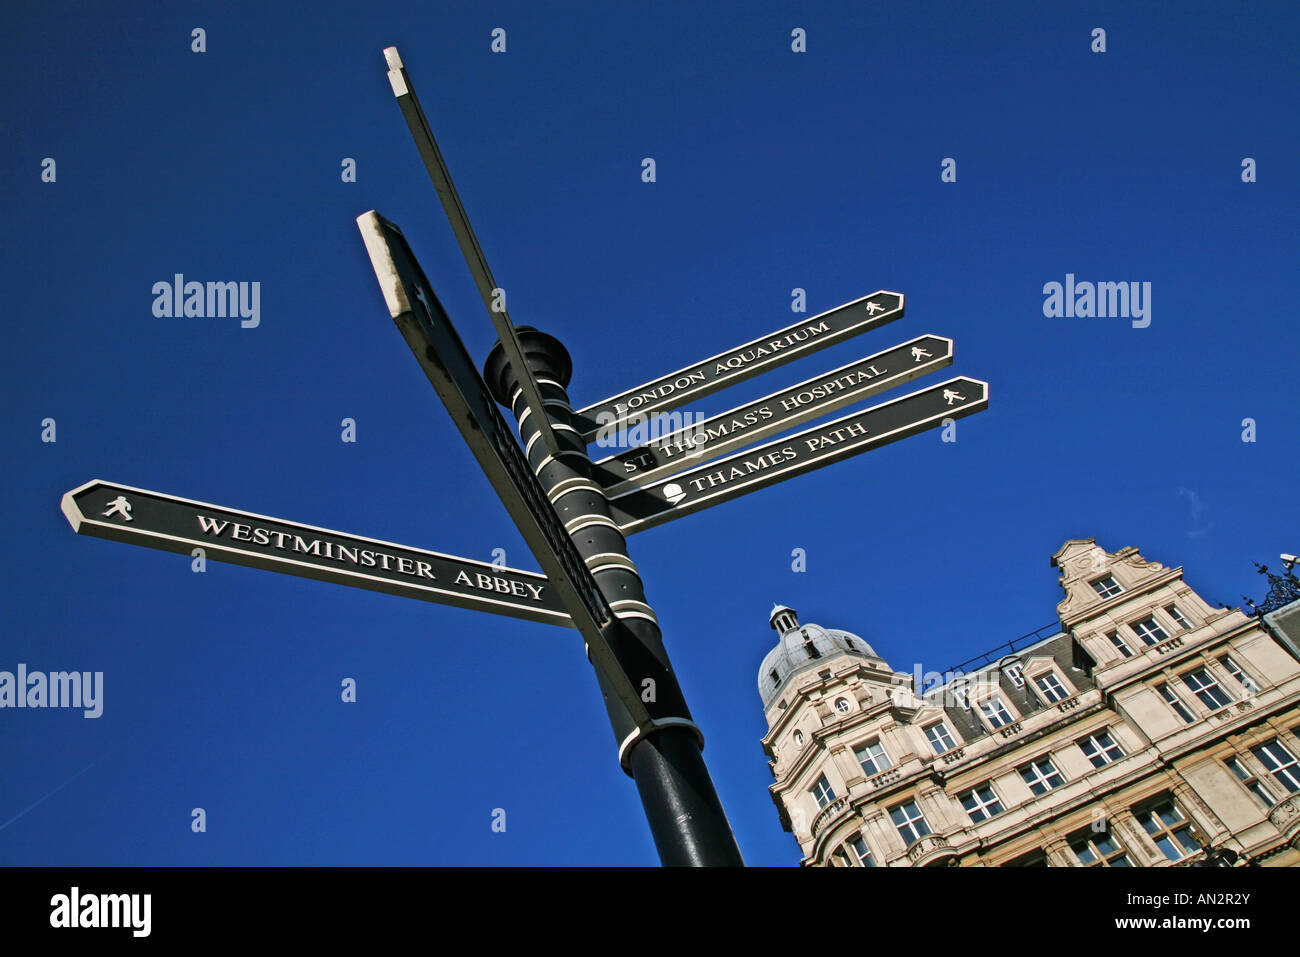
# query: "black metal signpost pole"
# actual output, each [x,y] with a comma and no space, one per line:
[681,805]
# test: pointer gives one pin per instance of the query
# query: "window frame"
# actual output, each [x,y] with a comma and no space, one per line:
[826,800]
[945,731]
[1177,617]
[1043,780]
[910,822]
[984,807]
[1088,838]
[1176,704]
[855,858]
[1104,593]
[1011,719]
[1119,644]
[1238,674]
[1286,773]
[866,746]
[1249,780]
[1170,832]
[1145,636]
[1208,689]
[1043,694]
[1100,750]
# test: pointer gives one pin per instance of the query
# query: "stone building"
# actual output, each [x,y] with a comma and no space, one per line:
[1151,729]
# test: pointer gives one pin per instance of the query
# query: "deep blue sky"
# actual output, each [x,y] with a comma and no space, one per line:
[776,170]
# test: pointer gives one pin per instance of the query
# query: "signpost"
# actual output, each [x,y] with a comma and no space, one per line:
[141,517]
[659,742]
[743,362]
[565,506]
[746,424]
[793,455]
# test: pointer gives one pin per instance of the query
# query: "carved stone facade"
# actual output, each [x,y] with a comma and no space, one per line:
[1151,730]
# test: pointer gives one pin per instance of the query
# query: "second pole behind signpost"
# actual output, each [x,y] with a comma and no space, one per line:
[681,804]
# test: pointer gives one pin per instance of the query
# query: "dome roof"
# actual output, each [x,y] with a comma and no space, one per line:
[804,648]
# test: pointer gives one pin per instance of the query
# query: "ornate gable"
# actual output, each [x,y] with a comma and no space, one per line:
[1083,562]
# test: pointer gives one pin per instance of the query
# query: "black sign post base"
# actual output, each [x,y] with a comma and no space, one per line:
[664,757]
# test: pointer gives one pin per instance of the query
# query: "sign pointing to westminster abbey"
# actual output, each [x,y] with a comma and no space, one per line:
[140,517]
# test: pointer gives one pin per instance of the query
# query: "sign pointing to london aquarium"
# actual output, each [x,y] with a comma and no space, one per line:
[796,454]
[140,517]
[771,415]
[735,365]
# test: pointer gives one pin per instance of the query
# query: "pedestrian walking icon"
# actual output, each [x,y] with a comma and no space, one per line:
[120,506]
[918,354]
[949,395]
[874,307]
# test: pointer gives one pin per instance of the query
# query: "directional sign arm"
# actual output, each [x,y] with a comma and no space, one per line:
[796,454]
[138,516]
[743,362]
[750,423]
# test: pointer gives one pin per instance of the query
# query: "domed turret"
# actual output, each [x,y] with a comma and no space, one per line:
[803,648]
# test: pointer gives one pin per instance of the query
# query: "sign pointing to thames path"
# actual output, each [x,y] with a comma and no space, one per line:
[735,365]
[771,415]
[140,517]
[796,454]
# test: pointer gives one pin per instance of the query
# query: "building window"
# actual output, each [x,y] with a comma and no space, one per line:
[1249,781]
[995,712]
[1032,859]
[859,853]
[872,757]
[1202,684]
[981,803]
[1101,749]
[1041,775]
[1170,830]
[822,792]
[1280,763]
[1179,619]
[1050,688]
[1107,587]
[1098,849]
[809,647]
[962,695]
[939,737]
[1175,702]
[910,822]
[1015,674]
[776,678]
[1149,630]
[842,705]
[1118,642]
[798,739]
[1243,679]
